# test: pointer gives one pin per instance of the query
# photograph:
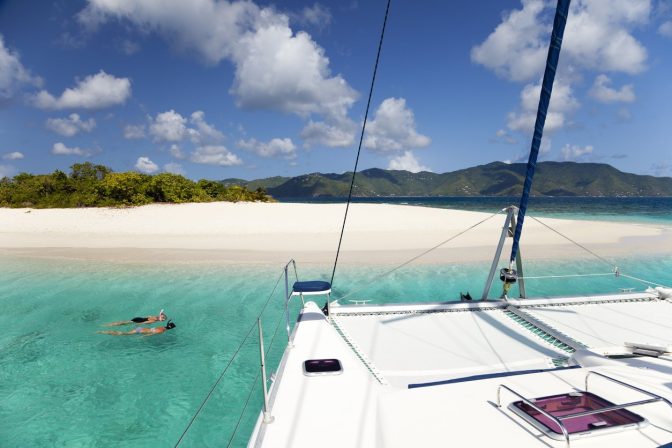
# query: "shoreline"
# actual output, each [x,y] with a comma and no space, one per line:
[253,233]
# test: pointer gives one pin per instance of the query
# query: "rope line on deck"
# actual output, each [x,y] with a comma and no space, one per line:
[228,364]
[411,260]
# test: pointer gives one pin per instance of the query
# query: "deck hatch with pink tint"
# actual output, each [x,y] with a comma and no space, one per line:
[565,406]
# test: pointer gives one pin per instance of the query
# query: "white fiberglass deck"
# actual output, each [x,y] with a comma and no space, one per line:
[431,346]
[610,324]
[408,344]
[307,409]
[465,414]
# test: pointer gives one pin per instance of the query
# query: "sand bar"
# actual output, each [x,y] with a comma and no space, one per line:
[276,232]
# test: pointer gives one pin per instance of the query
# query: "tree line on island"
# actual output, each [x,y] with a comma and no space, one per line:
[89,185]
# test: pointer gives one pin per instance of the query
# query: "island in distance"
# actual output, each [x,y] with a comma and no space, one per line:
[493,179]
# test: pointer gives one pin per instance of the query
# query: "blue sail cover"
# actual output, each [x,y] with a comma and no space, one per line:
[546,87]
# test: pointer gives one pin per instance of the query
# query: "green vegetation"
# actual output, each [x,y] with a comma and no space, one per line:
[493,179]
[90,185]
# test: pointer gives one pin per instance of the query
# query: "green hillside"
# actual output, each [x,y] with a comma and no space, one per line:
[493,179]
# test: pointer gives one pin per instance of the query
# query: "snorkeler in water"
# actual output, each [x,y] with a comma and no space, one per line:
[140,320]
[142,330]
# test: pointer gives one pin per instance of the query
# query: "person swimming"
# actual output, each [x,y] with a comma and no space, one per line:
[141,330]
[140,320]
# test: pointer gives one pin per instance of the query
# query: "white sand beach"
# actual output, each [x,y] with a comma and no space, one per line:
[276,232]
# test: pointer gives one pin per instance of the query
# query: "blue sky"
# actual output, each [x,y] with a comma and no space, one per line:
[217,89]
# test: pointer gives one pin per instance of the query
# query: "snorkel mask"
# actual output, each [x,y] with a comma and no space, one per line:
[170,325]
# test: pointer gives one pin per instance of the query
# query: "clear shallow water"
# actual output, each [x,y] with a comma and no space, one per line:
[61,384]
[654,209]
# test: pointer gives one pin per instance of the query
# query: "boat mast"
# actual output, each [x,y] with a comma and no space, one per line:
[545,98]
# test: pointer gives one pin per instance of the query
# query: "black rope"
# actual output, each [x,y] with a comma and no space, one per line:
[228,364]
[361,139]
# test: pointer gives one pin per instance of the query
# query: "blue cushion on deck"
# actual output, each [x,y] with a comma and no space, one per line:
[313,286]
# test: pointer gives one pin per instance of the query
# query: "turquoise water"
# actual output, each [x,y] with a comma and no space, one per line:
[646,209]
[63,385]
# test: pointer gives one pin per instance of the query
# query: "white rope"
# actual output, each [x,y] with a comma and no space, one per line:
[610,263]
[385,274]
[613,274]
[646,282]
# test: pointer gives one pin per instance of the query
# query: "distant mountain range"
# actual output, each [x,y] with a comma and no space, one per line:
[493,179]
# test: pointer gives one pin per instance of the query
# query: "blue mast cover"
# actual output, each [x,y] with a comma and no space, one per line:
[546,87]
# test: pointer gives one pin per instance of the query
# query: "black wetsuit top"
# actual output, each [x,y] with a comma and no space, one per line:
[139,320]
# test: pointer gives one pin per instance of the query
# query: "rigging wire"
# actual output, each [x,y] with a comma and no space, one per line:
[599,257]
[646,282]
[254,385]
[361,139]
[615,268]
[409,261]
[228,364]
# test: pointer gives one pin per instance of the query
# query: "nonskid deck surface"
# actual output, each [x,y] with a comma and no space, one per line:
[611,324]
[423,347]
[466,414]
[426,343]
[429,342]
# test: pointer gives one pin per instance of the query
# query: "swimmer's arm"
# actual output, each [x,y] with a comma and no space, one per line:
[115,333]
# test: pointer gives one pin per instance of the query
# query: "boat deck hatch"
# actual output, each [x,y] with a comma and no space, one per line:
[315,367]
[579,412]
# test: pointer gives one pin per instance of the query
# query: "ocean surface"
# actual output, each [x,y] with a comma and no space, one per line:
[653,209]
[64,385]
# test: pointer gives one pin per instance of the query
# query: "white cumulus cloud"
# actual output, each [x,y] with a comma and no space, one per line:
[203,133]
[176,151]
[318,16]
[598,36]
[7,171]
[665,29]
[275,68]
[339,134]
[145,165]
[60,149]
[277,147]
[174,168]
[215,155]
[602,91]
[16,155]
[393,128]
[573,152]
[514,49]
[562,103]
[408,162]
[168,127]
[134,131]
[70,126]
[93,92]
[13,74]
